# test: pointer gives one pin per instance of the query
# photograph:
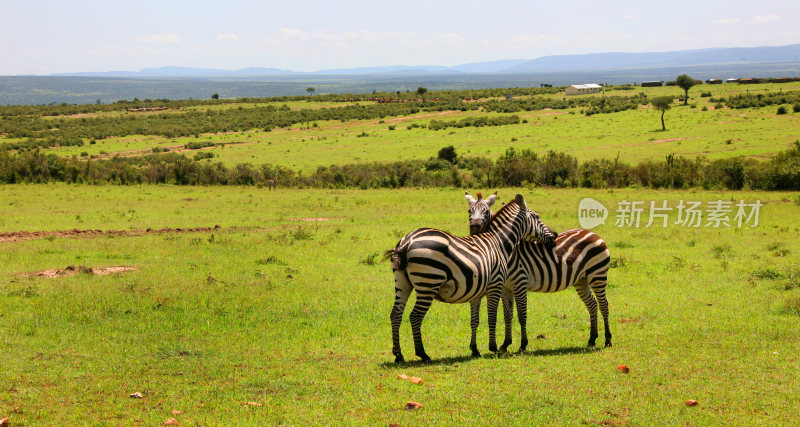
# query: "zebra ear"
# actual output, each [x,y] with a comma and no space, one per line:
[521,202]
[471,200]
[490,200]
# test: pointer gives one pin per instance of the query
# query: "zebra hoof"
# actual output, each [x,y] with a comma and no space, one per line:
[591,343]
[399,359]
[608,343]
[503,348]
[424,358]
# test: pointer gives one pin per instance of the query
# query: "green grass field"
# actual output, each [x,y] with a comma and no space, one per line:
[293,314]
[633,135]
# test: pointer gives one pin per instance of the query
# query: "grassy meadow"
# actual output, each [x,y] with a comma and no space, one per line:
[633,135]
[281,316]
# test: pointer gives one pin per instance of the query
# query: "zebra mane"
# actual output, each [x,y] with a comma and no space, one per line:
[506,206]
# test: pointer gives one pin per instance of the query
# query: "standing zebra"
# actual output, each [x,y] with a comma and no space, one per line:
[580,258]
[454,269]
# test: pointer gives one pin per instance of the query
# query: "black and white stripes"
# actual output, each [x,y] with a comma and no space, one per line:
[580,258]
[438,265]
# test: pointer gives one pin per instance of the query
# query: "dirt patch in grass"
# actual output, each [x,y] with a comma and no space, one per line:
[310,219]
[73,270]
[661,141]
[15,236]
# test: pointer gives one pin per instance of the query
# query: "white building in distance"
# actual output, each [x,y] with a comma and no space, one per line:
[583,89]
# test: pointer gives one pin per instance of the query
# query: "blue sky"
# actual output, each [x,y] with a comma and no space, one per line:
[42,37]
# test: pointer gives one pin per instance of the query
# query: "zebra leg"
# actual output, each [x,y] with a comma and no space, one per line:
[508,317]
[582,286]
[521,295]
[424,300]
[402,290]
[492,301]
[474,321]
[599,289]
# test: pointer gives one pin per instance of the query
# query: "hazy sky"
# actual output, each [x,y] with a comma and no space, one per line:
[41,37]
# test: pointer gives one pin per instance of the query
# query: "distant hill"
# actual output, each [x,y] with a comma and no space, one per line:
[570,63]
[619,60]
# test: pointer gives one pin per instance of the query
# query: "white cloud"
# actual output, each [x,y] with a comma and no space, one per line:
[450,39]
[759,19]
[292,34]
[723,21]
[230,37]
[630,16]
[161,38]
[527,39]
[763,18]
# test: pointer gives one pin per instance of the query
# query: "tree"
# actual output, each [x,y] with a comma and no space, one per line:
[482,168]
[448,153]
[421,92]
[310,91]
[662,103]
[685,82]
[215,96]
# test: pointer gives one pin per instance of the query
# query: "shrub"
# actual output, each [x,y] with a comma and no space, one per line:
[198,145]
[204,155]
[796,108]
[448,154]
[781,110]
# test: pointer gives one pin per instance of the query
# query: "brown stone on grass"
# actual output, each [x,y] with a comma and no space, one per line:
[411,406]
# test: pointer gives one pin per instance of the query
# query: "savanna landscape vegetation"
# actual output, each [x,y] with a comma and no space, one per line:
[149,271]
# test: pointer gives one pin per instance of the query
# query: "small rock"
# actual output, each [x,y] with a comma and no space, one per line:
[176,412]
[402,377]
[415,380]
[171,422]
[4,422]
[411,405]
[251,404]
[136,395]
[624,369]
[691,402]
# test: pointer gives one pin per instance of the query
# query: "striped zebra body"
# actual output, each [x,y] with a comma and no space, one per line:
[579,259]
[438,265]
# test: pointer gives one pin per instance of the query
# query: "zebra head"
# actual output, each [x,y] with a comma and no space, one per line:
[539,231]
[479,212]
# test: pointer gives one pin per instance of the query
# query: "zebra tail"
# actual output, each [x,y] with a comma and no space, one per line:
[397,256]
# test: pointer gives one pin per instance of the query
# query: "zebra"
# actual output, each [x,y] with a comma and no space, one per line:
[441,266]
[580,258]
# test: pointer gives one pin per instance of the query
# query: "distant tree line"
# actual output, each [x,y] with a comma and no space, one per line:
[513,168]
